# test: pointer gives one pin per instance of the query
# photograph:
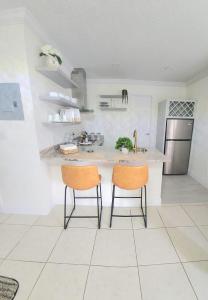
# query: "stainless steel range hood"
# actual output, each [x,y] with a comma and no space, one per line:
[78,75]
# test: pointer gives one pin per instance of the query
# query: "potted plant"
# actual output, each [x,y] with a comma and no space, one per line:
[50,56]
[124,144]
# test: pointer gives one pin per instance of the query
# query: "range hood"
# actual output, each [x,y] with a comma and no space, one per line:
[78,75]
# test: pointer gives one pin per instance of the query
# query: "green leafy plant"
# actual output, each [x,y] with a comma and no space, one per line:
[124,142]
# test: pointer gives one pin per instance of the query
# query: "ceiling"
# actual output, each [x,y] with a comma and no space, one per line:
[161,40]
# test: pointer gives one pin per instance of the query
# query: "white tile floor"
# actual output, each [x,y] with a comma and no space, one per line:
[166,261]
[182,189]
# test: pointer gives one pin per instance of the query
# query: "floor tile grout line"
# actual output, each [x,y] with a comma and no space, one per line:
[9,215]
[189,280]
[6,257]
[61,233]
[166,229]
[104,228]
[204,235]
[139,278]
[102,266]
[85,287]
[60,226]
[38,277]
[189,216]
[165,226]
[24,234]
[181,263]
[44,264]
[37,216]
[196,225]
[157,209]
[206,238]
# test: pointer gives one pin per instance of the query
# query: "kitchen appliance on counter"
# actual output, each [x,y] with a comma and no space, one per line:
[84,139]
[68,149]
[174,134]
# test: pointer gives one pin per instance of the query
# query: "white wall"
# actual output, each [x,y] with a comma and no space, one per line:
[198,167]
[22,185]
[99,120]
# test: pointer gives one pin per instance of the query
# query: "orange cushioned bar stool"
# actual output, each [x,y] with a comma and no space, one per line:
[130,177]
[82,178]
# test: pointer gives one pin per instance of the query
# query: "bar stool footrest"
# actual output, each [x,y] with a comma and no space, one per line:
[77,217]
[128,216]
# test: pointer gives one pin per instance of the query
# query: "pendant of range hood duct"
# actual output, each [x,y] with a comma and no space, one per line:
[78,75]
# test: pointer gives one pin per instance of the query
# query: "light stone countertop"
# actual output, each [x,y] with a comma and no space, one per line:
[101,154]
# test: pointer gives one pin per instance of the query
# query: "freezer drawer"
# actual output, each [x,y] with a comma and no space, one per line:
[178,153]
[179,129]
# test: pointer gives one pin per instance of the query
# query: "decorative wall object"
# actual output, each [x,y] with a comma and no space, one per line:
[51,56]
[125,96]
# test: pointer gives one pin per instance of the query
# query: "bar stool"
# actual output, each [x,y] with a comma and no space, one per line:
[82,178]
[130,177]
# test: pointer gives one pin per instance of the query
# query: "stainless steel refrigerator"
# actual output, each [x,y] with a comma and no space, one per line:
[178,136]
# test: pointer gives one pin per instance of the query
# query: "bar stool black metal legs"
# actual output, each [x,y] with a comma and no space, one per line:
[99,206]
[80,178]
[112,205]
[130,177]
[143,210]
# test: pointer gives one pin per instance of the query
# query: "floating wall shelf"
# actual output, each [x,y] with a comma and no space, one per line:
[112,103]
[111,96]
[58,76]
[59,101]
[113,108]
[61,122]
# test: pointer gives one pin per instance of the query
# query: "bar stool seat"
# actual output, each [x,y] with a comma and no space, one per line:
[130,177]
[82,178]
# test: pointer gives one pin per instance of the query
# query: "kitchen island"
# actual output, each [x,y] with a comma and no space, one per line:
[105,159]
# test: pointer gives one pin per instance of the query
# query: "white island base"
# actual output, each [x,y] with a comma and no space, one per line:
[105,170]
